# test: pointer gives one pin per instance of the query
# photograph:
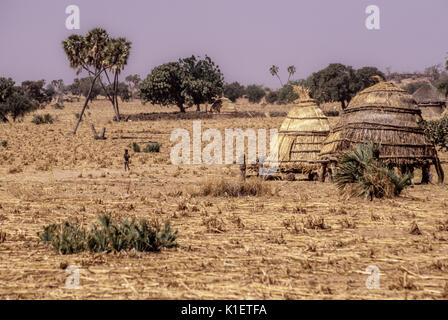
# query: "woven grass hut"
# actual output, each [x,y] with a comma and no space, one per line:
[430,101]
[389,116]
[301,135]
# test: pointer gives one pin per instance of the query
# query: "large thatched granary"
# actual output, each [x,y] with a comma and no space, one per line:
[430,101]
[389,116]
[301,135]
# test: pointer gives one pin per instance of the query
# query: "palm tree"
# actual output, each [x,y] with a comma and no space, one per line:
[291,71]
[274,72]
[87,53]
[97,53]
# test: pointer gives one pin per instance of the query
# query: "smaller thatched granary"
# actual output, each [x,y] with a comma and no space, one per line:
[389,116]
[301,135]
[430,101]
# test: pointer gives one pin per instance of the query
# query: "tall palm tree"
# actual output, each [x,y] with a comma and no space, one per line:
[274,72]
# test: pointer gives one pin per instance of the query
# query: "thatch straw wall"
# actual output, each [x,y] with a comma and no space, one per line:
[301,135]
[387,115]
[430,101]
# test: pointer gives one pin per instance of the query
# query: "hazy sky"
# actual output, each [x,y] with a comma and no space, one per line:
[244,37]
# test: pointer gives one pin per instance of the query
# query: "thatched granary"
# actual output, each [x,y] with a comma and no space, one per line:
[301,135]
[430,101]
[389,116]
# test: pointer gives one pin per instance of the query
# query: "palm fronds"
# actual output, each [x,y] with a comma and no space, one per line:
[360,173]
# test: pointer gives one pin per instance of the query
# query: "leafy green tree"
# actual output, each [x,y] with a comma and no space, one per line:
[338,82]
[85,87]
[366,77]
[442,85]
[286,94]
[272,97]
[233,91]
[187,82]
[202,80]
[35,90]
[164,86]
[414,86]
[75,87]
[17,105]
[133,83]
[13,100]
[255,93]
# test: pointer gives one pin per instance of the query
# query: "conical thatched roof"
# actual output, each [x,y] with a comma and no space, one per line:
[428,94]
[383,114]
[301,134]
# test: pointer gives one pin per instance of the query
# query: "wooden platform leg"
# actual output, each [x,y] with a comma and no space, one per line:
[323,172]
[425,173]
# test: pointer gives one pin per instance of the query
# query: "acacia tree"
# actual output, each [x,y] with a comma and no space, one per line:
[97,53]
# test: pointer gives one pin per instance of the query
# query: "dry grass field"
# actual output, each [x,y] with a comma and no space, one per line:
[302,242]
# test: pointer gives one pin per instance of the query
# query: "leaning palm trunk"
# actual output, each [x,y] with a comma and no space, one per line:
[85,103]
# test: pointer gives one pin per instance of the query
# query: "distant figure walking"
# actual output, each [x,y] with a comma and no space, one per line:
[126,160]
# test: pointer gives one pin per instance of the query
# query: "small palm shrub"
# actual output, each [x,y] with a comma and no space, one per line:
[152,147]
[42,119]
[360,173]
[109,234]
[136,147]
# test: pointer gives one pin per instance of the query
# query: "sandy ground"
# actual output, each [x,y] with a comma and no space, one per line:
[229,248]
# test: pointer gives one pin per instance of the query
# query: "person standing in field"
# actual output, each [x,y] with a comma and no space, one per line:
[126,160]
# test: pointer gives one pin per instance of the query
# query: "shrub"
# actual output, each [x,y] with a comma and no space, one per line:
[436,132]
[286,95]
[152,147]
[59,105]
[42,119]
[360,173]
[233,91]
[272,97]
[255,93]
[4,143]
[229,188]
[110,234]
[136,147]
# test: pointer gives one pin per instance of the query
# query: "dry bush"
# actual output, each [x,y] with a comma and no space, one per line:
[230,188]
[214,224]
[315,223]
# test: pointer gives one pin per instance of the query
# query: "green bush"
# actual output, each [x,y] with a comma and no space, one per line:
[286,95]
[272,97]
[42,119]
[4,143]
[136,147]
[110,234]
[436,132]
[255,93]
[152,147]
[233,91]
[360,173]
